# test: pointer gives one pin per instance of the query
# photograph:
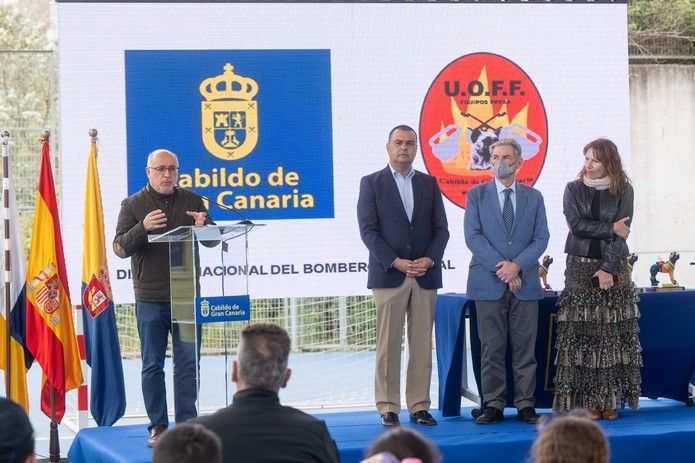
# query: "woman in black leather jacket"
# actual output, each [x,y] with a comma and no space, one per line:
[598,350]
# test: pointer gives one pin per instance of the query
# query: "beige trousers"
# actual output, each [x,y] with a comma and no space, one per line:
[392,306]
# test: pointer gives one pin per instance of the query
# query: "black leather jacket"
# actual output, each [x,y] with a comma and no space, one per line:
[577,209]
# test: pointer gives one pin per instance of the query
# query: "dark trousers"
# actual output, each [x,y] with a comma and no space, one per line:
[154,326]
[517,319]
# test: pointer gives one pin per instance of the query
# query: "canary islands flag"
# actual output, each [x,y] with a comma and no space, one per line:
[50,334]
[14,278]
[107,401]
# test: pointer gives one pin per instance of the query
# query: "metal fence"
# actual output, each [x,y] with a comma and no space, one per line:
[660,47]
[318,324]
[27,108]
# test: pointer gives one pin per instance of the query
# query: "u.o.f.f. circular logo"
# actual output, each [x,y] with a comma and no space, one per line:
[474,101]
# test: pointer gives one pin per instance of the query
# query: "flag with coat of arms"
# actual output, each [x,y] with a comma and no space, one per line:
[50,332]
[107,388]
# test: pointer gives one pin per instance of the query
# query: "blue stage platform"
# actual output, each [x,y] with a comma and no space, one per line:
[661,431]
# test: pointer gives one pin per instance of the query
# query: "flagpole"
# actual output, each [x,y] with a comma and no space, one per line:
[53,441]
[5,136]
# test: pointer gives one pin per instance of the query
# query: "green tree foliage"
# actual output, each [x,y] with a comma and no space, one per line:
[665,16]
[662,27]
[27,99]
[24,83]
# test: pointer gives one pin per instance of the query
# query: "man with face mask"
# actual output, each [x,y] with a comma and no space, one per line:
[507,232]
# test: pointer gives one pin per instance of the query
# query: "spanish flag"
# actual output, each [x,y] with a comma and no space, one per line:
[107,389]
[50,334]
[14,278]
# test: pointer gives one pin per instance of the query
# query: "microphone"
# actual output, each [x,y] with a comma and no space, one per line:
[243,220]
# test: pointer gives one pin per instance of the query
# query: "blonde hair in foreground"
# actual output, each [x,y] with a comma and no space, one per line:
[571,439]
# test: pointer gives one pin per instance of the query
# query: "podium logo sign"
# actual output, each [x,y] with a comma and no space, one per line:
[222,309]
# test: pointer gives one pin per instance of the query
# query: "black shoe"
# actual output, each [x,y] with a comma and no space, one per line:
[490,415]
[528,415]
[423,417]
[390,419]
[155,433]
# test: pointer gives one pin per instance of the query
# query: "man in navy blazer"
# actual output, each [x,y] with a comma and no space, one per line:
[506,230]
[403,224]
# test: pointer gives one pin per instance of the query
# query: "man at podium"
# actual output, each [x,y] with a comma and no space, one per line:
[159,207]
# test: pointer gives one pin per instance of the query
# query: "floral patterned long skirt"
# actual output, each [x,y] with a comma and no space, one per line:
[598,350]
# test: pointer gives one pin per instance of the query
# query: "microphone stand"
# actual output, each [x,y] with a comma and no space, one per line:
[223,249]
[243,220]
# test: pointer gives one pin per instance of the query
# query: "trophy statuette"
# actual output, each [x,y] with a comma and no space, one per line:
[668,267]
[543,274]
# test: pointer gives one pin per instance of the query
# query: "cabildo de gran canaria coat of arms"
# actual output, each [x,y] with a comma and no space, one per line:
[229,114]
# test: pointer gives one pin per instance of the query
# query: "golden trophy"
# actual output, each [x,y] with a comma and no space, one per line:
[543,273]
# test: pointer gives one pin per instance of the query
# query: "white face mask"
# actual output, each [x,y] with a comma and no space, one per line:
[502,170]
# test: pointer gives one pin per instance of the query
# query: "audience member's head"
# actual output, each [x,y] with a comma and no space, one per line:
[262,358]
[16,434]
[188,443]
[405,443]
[571,439]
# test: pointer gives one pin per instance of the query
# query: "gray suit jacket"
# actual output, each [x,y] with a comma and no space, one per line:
[487,239]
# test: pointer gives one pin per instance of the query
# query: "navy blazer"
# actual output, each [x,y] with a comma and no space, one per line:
[486,237]
[388,234]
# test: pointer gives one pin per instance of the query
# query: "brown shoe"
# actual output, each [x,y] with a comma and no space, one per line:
[156,432]
[528,415]
[610,415]
[595,414]
[491,415]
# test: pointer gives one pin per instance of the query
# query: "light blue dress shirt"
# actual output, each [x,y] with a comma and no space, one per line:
[405,189]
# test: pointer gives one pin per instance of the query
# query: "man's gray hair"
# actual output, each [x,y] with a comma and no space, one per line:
[262,358]
[158,151]
[507,142]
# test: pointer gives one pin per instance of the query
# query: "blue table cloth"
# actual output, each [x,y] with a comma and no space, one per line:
[667,334]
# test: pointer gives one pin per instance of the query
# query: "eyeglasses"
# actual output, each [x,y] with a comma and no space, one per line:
[162,169]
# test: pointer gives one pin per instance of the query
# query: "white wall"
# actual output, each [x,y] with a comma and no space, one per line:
[662,124]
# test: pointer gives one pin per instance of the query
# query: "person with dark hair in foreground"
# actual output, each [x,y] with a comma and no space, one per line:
[256,428]
[188,443]
[571,439]
[16,434]
[405,444]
